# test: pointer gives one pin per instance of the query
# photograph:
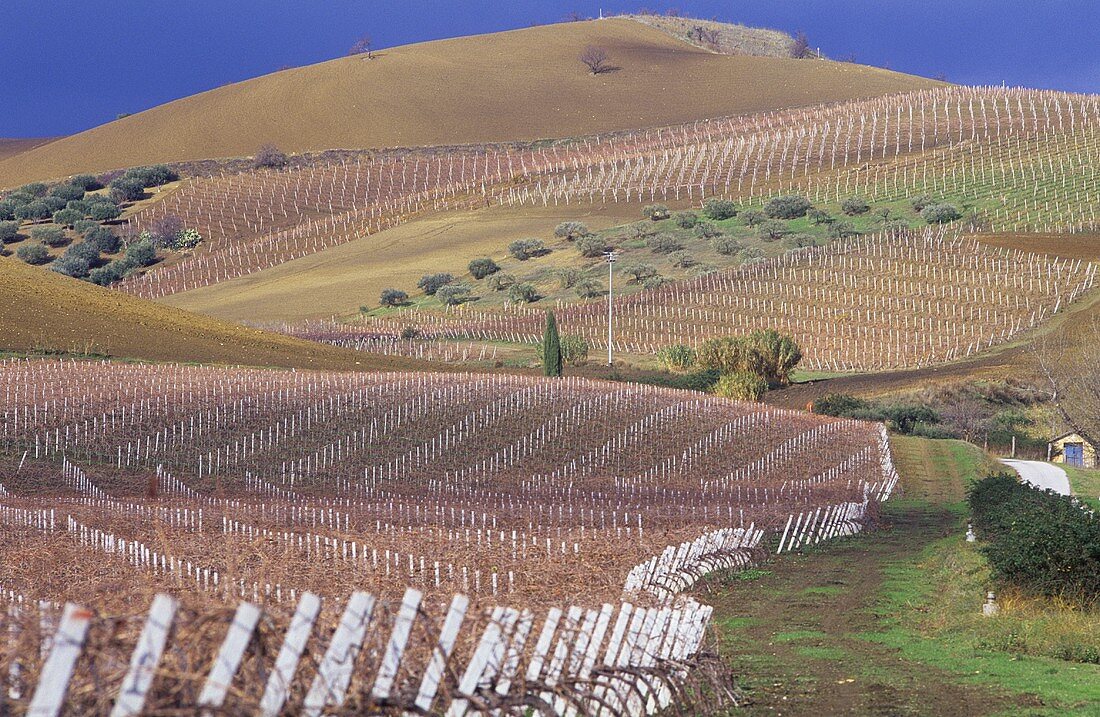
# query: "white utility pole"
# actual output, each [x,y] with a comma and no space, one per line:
[611,258]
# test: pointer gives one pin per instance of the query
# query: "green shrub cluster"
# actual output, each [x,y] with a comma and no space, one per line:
[1037,540]
[767,354]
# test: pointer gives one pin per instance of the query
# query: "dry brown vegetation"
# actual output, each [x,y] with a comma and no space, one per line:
[539,90]
[12,147]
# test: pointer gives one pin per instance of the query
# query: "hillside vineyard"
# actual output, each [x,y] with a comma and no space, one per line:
[1028,159]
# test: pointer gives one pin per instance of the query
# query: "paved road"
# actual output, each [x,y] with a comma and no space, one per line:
[1041,475]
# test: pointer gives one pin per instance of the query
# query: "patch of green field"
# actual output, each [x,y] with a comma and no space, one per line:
[1085,484]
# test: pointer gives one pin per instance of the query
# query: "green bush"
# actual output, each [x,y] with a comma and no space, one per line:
[767,354]
[682,259]
[571,231]
[719,209]
[588,288]
[752,217]
[33,254]
[655,212]
[86,182]
[639,272]
[7,210]
[920,201]
[85,226]
[453,294]
[524,249]
[86,251]
[8,231]
[591,246]
[741,386]
[940,213]
[685,220]
[108,274]
[663,244]
[392,297]
[501,282]
[141,253]
[103,239]
[678,357]
[772,229]
[104,211]
[707,230]
[50,236]
[71,265]
[481,268]
[841,405]
[431,283]
[67,192]
[726,246]
[523,293]
[842,230]
[854,206]
[127,189]
[819,216]
[34,211]
[34,189]
[67,217]
[791,206]
[568,277]
[1037,540]
[152,176]
[574,349]
[186,239]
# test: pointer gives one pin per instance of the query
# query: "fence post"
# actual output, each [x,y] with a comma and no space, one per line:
[145,658]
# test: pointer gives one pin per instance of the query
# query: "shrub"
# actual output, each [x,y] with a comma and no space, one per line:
[50,236]
[568,277]
[7,210]
[87,182]
[772,229]
[501,282]
[750,254]
[790,206]
[854,206]
[726,246]
[84,250]
[108,274]
[269,156]
[481,268]
[83,226]
[639,272]
[34,189]
[719,209]
[940,213]
[819,216]
[655,212]
[54,203]
[741,386]
[67,192]
[768,354]
[905,417]
[71,266]
[67,217]
[152,176]
[187,239]
[104,211]
[392,297]
[842,230]
[453,294]
[682,259]
[1037,540]
[524,249]
[163,230]
[685,220]
[655,282]
[752,217]
[125,189]
[431,283]
[663,244]
[141,253]
[523,293]
[33,254]
[920,201]
[798,241]
[574,349]
[8,231]
[591,246]
[34,211]
[571,230]
[103,239]
[841,405]
[707,230]
[588,289]
[678,357]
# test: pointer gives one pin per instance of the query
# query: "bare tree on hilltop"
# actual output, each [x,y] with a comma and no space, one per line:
[596,59]
[362,46]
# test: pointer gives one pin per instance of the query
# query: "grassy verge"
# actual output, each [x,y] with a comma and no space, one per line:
[1085,484]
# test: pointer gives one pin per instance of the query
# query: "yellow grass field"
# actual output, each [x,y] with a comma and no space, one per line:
[520,85]
[41,311]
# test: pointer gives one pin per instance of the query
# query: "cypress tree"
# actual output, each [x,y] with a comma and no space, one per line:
[551,347]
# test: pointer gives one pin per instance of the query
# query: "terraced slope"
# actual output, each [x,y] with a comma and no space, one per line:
[520,85]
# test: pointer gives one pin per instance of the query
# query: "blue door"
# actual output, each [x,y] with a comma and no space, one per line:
[1075,455]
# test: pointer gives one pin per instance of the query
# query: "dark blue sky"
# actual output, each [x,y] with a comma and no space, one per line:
[66,65]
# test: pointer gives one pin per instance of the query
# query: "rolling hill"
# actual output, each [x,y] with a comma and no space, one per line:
[519,85]
[16,146]
[41,311]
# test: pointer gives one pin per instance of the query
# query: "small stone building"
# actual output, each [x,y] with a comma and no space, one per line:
[1073,450]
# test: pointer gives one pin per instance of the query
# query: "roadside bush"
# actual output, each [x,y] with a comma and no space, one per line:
[524,249]
[481,268]
[655,212]
[719,209]
[921,201]
[127,189]
[741,386]
[639,272]
[67,192]
[663,244]
[103,239]
[67,217]
[431,283]
[685,220]
[819,217]
[772,230]
[591,246]
[453,294]
[33,254]
[940,213]
[501,282]
[523,293]
[1037,540]
[104,211]
[571,230]
[726,246]
[8,231]
[87,182]
[678,357]
[854,206]
[269,156]
[141,253]
[568,277]
[791,206]
[50,236]
[707,230]
[34,211]
[588,289]
[392,297]
[752,217]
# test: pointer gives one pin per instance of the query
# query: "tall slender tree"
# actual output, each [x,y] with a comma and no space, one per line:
[551,347]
